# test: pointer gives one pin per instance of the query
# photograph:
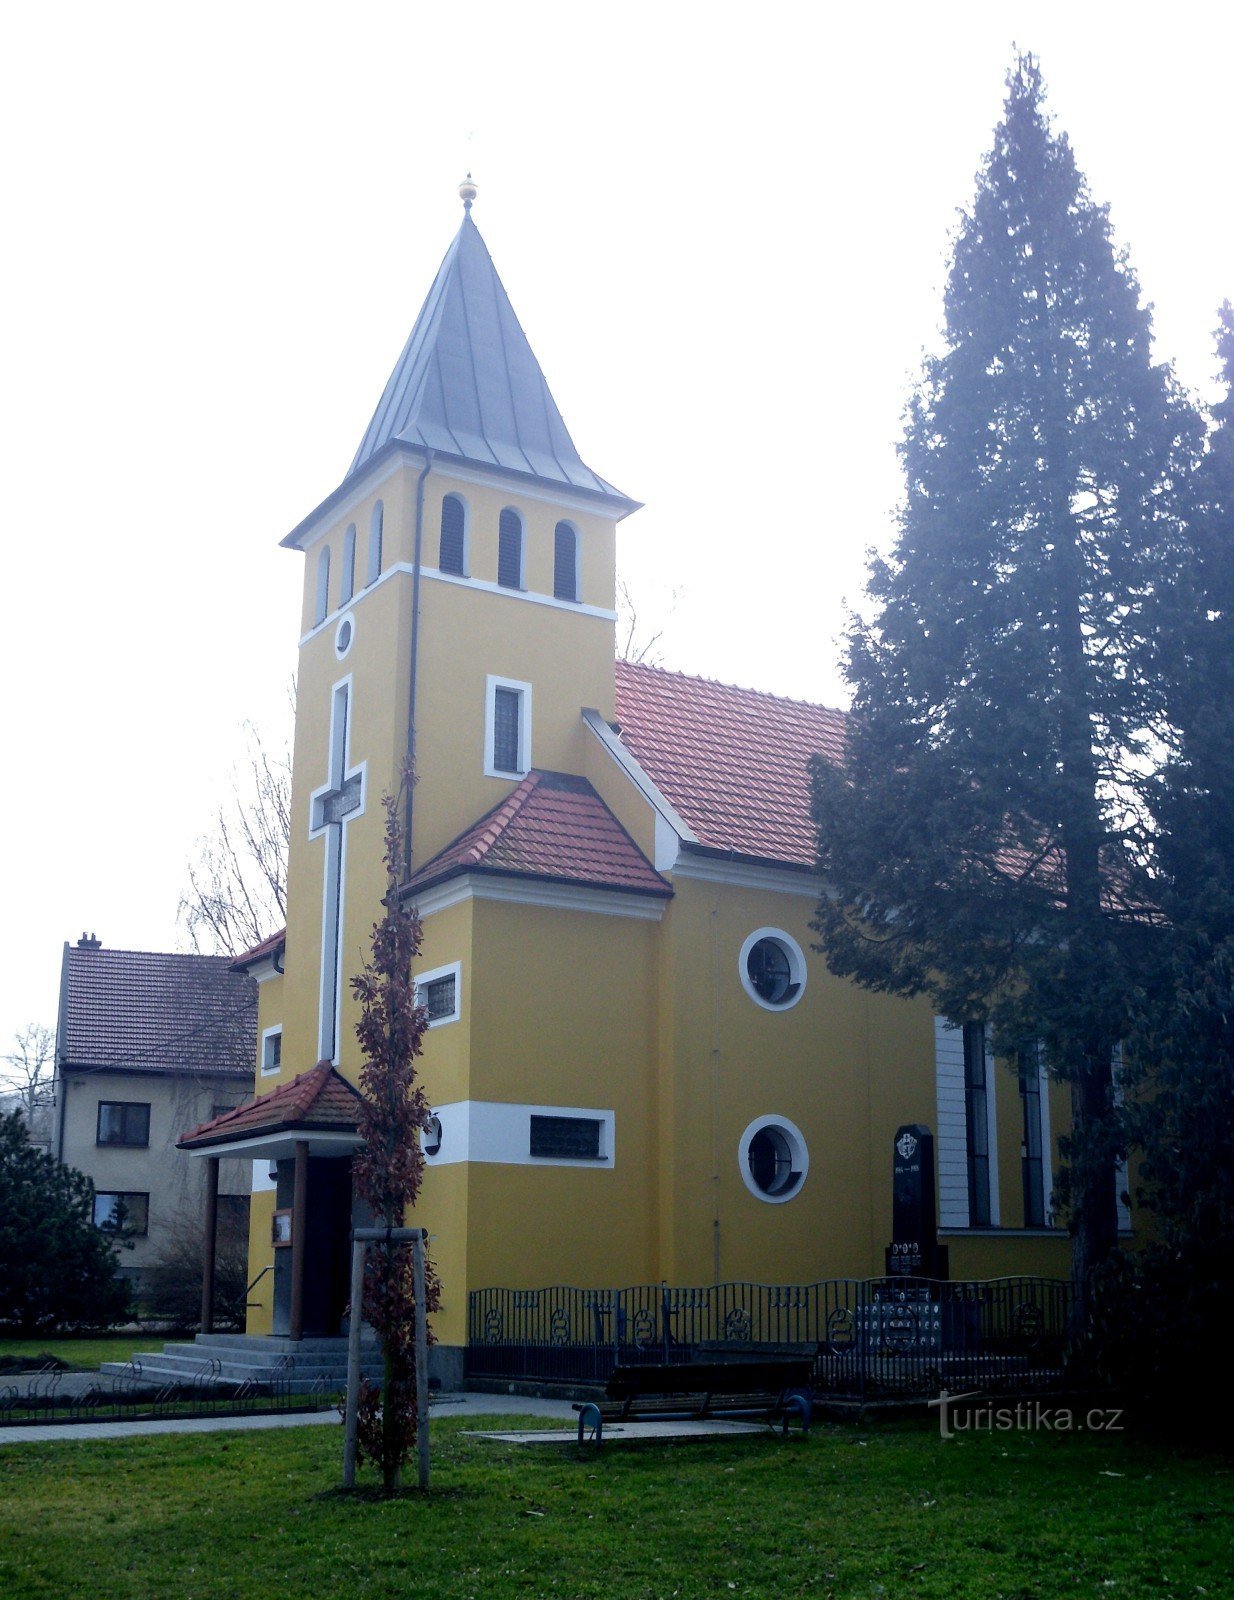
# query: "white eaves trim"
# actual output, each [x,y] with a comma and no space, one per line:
[671,828]
[368,484]
[532,892]
[749,875]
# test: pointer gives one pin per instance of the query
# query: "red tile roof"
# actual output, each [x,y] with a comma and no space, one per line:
[141,1011]
[259,952]
[733,762]
[553,825]
[319,1098]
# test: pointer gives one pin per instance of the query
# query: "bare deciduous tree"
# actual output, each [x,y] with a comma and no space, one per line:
[237,884]
[28,1076]
[634,643]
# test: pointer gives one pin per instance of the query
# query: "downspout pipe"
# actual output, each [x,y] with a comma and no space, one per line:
[415,661]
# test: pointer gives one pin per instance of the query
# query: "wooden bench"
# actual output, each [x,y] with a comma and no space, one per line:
[775,1388]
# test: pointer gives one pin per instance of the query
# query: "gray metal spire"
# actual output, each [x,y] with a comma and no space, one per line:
[468,386]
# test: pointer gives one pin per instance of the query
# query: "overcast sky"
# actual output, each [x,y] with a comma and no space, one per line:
[724,228]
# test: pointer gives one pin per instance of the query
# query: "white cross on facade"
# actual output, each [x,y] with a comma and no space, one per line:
[331,808]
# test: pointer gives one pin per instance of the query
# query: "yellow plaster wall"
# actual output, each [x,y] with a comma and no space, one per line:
[260,1315]
[844,1066]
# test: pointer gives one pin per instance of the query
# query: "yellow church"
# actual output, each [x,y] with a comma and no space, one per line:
[641,1071]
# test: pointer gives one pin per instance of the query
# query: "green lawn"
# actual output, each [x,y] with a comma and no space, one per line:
[86,1353]
[896,1512]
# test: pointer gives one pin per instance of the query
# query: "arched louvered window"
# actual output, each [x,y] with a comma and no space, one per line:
[453,556]
[510,550]
[322,608]
[565,561]
[347,581]
[375,523]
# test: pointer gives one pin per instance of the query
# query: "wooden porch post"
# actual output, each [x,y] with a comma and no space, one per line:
[207,1267]
[299,1218]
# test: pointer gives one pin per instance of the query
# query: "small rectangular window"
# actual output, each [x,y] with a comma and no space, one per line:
[505,730]
[571,1138]
[124,1122]
[122,1213]
[272,1051]
[439,998]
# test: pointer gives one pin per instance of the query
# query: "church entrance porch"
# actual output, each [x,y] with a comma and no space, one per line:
[310,1285]
[303,1134]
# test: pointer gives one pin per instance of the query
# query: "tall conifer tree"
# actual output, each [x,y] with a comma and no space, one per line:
[977,843]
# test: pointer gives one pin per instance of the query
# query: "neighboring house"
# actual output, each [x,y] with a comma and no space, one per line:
[148,1045]
[640,1068]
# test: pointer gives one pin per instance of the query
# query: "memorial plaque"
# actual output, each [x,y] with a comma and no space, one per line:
[914,1251]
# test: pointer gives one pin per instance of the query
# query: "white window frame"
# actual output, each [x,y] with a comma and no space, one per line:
[796,964]
[573,599]
[800,1157]
[321,603]
[505,588]
[523,690]
[453,969]
[269,1033]
[951,1141]
[376,537]
[347,576]
[462,500]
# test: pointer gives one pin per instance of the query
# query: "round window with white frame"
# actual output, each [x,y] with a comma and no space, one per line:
[772,968]
[343,637]
[773,1159]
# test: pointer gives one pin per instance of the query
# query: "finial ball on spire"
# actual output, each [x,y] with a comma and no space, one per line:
[467,192]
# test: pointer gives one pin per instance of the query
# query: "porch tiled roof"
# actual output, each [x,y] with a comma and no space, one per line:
[320,1098]
[553,825]
[733,762]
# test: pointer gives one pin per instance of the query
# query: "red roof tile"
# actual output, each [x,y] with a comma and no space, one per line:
[733,762]
[142,1011]
[319,1098]
[553,825]
[259,952]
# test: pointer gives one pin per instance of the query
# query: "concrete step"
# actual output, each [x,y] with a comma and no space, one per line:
[240,1356]
[161,1369]
[280,1344]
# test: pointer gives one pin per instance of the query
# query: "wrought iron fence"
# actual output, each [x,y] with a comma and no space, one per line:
[890,1337]
[57,1396]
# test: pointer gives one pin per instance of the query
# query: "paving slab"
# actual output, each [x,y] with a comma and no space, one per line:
[633,1432]
[479,1405]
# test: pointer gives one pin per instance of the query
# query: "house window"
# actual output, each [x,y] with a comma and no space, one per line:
[507,729]
[977,1124]
[122,1213]
[322,608]
[375,524]
[565,562]
[772,969]
[272,1050]
[510,550]
[568,1138]
[453,554]
[124,1122]
[773,1159]
[438,992]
